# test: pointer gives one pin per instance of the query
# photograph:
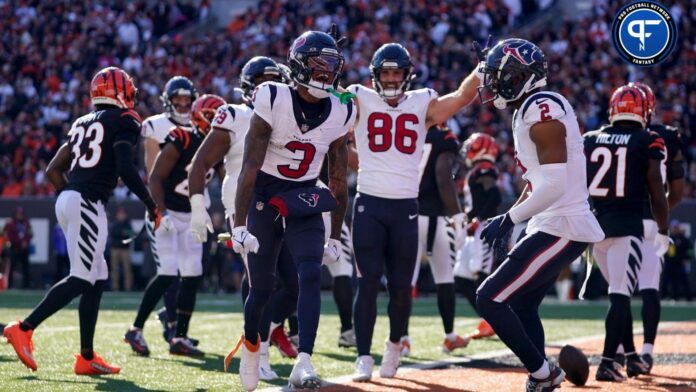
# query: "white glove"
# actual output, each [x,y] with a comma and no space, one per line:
[244,242]
[200,220]
[332,252]
[479,74]
[458,221]
[166,223]
[662,242]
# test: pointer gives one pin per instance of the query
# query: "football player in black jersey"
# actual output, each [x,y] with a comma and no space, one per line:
[178,252]
[440,228]
[623,164]
[481,201]
[672,170]
[84,172]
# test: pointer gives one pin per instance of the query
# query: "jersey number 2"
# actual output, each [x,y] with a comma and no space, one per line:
[607,161]
[308,151]
[379,132]
[93,135]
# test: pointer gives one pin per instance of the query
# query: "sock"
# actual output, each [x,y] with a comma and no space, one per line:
[61,294]
[408,322]
[451,336]
[170,301]
[185,303]
[647,349]
[343,296]
[365,312]
[154,291]
[627,338]
[614,325]
[399,310]
[88,312]
[468,289]
[651,314]
[308,303]
[543,372]
[293,326]
[446,305]
[253,310]
[511,331]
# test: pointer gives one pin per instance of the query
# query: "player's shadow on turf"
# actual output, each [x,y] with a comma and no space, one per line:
[349,357]
[406,388]
[99,383]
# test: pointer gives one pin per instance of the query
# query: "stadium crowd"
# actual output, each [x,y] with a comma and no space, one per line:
[51,49]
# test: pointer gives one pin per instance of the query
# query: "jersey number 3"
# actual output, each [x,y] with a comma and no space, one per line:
[92,137]
[607,162]
[308,151]
[379,132]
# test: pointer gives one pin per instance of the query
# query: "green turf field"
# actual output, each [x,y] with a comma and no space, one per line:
[218,324]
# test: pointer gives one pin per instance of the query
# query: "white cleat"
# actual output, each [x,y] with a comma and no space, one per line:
[363,368]
[390,360]
[405,346]
[303,375]
[249,365]
[265,371]
[347,339]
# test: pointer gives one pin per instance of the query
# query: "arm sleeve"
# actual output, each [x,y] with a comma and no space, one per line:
[124,142]
[548,184]
[263,99]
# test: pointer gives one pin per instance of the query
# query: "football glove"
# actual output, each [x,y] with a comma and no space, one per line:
[244,242]
[200,220]
[662,242]
[166,223]
[336,35]
[332,252]
[496,228]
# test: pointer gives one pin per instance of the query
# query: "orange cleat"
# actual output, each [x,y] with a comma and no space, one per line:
[484,330]
[21,342]
[459,342]
[95,367]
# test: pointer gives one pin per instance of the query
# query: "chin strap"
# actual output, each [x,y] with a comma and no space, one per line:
[344,97]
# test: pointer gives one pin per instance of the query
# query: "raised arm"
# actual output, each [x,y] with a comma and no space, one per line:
[338,167]
[444,107]
[255,146]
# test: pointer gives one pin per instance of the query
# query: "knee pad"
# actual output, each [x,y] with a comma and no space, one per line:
[485,305]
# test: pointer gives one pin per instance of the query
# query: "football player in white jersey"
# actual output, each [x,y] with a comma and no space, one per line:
[177,98]
[292,130]
[226,141]
[389,135]
[549,150]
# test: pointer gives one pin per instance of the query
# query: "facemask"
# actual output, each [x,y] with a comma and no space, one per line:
[391,92]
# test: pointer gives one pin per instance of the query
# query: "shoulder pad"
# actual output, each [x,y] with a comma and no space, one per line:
[543,106]
[264,98]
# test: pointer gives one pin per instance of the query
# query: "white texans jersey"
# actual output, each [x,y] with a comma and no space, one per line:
[390,142]
[235,120]
[570,216]
[298,146]
[157,127]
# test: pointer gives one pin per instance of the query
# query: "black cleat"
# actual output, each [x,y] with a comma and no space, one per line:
[548,384]
[167,331]
[607,372]
[620,361]
[134,337]
[183,346]
[648,360]
[636,367]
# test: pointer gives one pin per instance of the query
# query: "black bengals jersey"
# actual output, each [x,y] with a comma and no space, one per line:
[93,170]
[436,142]
[671,169]
[481,203]
[617,163]
[176,191]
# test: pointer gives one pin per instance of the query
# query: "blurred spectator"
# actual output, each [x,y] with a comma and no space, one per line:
[677,265]
[121,230]
[60,251]
[18,233]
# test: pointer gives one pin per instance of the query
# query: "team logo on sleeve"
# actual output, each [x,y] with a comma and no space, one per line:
[644,33]
[310,198]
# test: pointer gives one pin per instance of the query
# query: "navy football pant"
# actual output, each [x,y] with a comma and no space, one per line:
[304,239]
[509,299]
[385,242]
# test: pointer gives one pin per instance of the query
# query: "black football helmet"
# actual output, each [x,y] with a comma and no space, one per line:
[178,85]
[315,53]
[391,55]
[255,68]
[512,68]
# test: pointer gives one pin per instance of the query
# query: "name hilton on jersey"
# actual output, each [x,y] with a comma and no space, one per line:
[613,139]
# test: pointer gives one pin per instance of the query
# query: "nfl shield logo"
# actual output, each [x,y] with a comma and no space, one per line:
[304,127]
[259,205]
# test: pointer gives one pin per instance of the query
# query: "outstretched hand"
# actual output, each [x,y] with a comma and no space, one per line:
[336,35]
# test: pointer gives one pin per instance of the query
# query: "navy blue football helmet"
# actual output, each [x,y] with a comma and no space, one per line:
[178,85]
[511,68]
[393,56]
[255,68]
[315,62]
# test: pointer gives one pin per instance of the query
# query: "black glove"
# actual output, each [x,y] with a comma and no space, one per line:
[481,53]
[336,35]
[496,228]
